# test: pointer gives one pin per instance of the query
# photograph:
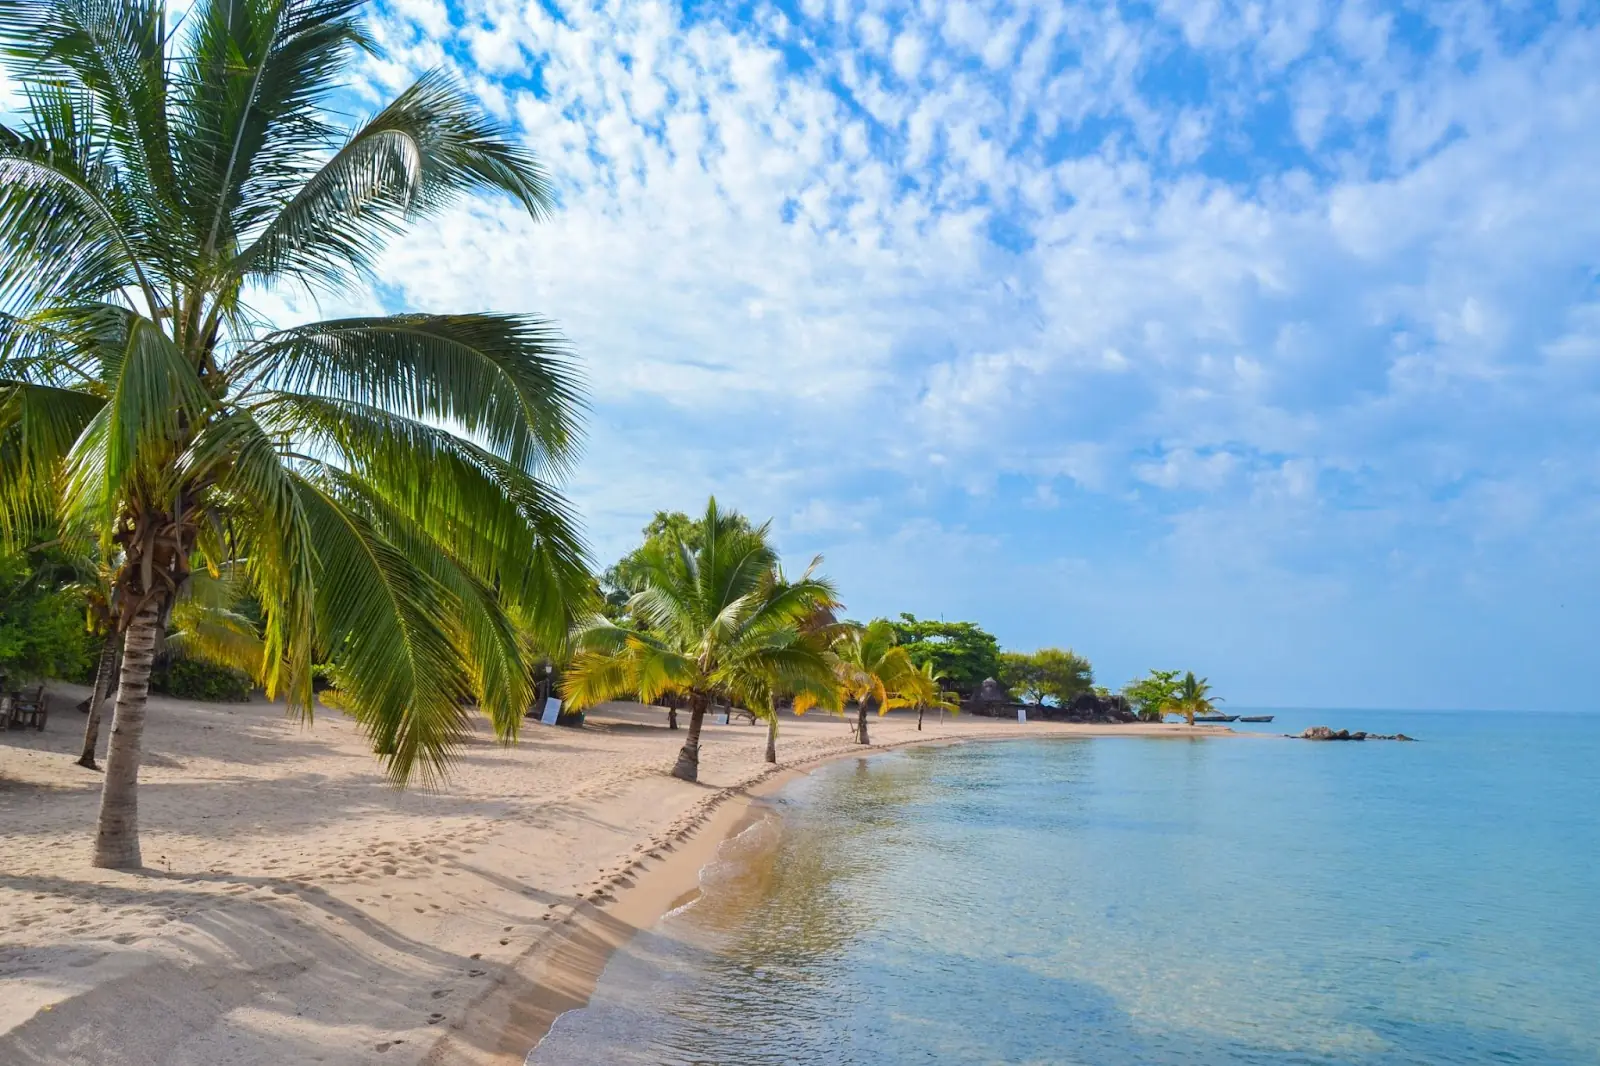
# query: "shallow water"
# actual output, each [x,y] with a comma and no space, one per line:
[1120,901]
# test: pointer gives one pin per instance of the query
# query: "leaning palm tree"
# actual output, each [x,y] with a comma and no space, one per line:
[382,482]
[717,622]
[1192,697]
[874,671]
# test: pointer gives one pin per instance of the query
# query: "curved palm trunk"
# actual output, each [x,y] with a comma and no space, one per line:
[688,764]
[116,843]
[868,704]
[772,738]
[102,688]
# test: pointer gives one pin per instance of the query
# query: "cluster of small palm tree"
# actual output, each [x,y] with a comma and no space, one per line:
[718,622]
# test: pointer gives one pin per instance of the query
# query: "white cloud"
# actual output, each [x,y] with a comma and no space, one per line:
[1003,259]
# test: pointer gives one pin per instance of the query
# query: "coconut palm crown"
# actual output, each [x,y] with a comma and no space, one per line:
[716,622]
[382,482]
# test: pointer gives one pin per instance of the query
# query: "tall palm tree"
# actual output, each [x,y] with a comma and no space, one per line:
[1193,696]
[381,481]
[874,671]
[717,622]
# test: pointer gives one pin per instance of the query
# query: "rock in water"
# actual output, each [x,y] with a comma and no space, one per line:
[1322,732]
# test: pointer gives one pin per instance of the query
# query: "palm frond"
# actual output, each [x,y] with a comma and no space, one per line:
[507,380]
[400,673]
[427,147]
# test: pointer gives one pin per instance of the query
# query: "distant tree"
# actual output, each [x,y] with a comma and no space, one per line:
[963,653]
[1192,697]
[717,624]
[926,693]
[1049,673]
[1065,674]
[872,670]
[1151,694]
[1021,676]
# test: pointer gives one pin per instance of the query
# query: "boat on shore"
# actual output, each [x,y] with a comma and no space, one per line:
[1257,718]
[1216,718]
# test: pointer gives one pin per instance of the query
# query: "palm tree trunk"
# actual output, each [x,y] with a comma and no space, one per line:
[868,704]
[102,685]
[772,737]
[688,765]
[116,844]
[919,718]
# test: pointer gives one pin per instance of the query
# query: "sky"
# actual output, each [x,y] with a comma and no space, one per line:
[1260,339]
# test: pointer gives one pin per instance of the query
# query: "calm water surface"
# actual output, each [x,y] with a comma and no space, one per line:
[1121,901]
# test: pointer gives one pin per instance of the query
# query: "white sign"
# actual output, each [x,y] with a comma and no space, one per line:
[552,711]
[1022,715]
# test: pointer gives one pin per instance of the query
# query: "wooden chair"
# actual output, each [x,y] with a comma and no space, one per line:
[30,708]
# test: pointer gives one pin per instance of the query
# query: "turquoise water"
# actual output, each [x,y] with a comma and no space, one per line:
[1121,901]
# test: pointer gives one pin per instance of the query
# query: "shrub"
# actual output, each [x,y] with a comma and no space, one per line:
[193,679]
[41,622]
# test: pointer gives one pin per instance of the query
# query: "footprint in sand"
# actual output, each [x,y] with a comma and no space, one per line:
[435,1019]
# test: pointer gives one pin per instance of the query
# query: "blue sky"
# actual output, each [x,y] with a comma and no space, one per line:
[1258,338]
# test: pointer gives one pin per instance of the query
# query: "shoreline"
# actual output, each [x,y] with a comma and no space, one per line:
[552,979]
[296,908]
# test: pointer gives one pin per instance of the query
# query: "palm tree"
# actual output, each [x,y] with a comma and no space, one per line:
[926,692]
[380,481]
[717,622]
[874,671]
[1192,697]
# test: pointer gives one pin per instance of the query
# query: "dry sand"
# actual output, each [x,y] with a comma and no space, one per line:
[297,909]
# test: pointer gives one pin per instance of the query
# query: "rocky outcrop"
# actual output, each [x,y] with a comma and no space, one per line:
[1322,732]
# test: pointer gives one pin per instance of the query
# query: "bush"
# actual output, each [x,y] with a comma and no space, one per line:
[41,622]
[192,679]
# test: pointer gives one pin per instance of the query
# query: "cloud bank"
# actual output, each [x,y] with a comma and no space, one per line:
[1262,338]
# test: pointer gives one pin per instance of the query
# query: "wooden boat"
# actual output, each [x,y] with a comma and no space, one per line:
[1256,718]
[1216,718]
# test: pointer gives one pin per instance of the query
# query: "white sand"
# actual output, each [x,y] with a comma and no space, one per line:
[297,909]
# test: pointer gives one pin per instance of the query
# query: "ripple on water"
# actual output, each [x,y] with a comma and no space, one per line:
[1128,901]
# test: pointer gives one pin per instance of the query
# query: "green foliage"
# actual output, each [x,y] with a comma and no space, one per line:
[717,622]
[1192,696]
[1049,673]
[384,482]
[663,533]
[1021,676]
[42,630]
[872,669]
[1150,695]
[960,651]
[196,679]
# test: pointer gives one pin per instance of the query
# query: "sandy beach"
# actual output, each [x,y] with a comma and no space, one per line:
[297,909]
